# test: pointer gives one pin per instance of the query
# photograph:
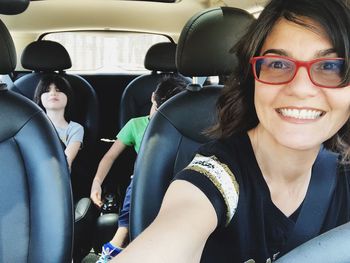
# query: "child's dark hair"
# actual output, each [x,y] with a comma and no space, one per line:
[62,84]
[168,87]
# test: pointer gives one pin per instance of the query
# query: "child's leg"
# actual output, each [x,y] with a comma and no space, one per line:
[120,238]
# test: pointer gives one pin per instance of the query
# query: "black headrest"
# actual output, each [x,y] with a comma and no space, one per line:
[13,7]
[7,50]
[205,41]
[161,57]
[45,55]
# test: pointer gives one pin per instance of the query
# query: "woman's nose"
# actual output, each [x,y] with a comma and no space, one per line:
[301,86]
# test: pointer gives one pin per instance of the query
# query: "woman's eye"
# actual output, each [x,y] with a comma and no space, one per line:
[278,65]
[327,65]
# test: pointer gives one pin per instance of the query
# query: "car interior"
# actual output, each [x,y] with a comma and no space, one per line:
[42,202]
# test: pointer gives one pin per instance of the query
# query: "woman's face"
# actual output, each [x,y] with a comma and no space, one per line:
[54,99]
[299,114]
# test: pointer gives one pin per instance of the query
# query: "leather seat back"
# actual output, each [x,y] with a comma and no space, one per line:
[35,193]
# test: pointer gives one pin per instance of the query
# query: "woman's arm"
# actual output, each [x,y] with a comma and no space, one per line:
[103,168]
[179,232]
[71,152]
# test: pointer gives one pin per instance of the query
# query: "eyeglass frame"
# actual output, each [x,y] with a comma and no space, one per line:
[298,65]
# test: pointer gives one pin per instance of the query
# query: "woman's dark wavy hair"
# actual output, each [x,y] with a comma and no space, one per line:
[236,110]
[61,83]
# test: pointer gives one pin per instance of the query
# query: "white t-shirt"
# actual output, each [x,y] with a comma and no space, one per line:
[73,133]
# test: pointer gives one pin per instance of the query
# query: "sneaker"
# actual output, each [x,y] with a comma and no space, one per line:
[108,252]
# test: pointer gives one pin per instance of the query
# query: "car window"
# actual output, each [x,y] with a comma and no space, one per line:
[106,52]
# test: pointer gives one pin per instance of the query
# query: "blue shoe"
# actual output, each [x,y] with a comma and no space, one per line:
[108,252]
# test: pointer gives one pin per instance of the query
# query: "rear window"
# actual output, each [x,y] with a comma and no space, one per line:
[106,52]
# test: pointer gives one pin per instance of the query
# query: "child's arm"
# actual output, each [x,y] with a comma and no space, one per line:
[71,152]
[103,168]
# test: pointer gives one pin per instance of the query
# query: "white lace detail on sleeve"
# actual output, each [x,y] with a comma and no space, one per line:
[222,177]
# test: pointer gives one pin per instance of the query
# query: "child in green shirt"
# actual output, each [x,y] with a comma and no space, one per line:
[130,135]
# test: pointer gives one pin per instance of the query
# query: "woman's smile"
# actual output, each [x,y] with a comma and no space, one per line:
[300,115]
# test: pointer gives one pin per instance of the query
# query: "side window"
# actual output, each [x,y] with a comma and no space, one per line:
[106,52]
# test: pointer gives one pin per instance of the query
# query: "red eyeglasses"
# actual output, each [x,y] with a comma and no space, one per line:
[276,70]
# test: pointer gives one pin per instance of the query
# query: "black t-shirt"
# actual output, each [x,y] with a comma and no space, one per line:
[251,228]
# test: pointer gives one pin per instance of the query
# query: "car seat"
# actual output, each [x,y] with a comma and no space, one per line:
[49,57]
[171,139]
[35,193]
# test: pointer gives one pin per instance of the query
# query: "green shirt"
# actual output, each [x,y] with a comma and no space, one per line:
[132,132]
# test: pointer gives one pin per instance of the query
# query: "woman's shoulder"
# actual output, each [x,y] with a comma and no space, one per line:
[214,170]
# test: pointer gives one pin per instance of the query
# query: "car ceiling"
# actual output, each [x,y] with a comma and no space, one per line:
[114,15]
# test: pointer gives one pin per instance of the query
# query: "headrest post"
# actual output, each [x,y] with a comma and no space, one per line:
[3,86]
[194,87]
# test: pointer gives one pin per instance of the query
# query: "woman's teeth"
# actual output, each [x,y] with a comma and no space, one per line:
[300,114]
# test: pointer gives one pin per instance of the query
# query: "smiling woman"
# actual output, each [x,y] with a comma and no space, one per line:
[270,172]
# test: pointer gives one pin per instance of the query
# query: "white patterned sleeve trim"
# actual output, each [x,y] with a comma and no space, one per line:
[222,177]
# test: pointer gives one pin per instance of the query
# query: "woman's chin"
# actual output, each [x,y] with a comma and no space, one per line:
[301,142]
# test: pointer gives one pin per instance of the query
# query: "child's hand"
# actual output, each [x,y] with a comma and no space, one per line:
[95,194]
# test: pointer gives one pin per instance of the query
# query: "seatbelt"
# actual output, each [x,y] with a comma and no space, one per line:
[317,200]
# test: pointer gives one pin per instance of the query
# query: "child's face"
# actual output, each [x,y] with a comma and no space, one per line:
[154,106]
[53,98]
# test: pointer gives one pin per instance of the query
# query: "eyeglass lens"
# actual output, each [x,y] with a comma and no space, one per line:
[275,70]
